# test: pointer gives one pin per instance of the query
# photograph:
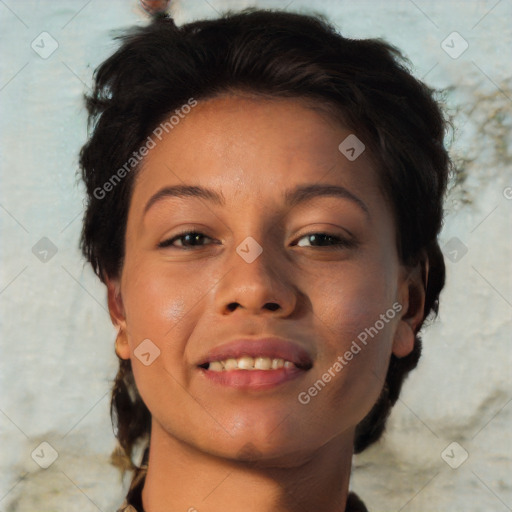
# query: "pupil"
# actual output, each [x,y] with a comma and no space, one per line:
[193,237]
[316,238]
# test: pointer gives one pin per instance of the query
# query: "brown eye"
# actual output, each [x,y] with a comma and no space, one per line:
[328,240]
[189,239]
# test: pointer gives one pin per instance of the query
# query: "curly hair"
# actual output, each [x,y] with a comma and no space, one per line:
[365,84]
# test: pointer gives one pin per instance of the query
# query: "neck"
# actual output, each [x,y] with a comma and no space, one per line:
[181,478]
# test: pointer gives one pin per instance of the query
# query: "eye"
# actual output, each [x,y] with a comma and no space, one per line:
[191,239]
[332,241]
[188,239]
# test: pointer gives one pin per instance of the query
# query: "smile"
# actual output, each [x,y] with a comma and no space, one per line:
[245,373]
[249,363]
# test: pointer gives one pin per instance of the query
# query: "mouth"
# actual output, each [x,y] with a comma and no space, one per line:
[256,364]
[253,363]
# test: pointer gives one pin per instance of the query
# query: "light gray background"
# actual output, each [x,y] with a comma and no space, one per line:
[57,361]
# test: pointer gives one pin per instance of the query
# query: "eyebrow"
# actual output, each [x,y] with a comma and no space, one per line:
[298,195]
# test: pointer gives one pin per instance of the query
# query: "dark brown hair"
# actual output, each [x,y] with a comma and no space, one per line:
[159,67]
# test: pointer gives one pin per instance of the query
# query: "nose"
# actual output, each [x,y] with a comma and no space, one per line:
[257,287]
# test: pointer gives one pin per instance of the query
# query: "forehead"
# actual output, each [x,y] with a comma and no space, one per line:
[248,148]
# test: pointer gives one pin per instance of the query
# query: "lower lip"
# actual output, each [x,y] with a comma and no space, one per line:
[253,379]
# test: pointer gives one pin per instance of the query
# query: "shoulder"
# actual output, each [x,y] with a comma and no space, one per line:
[125,507]
[354,503]
[133,500]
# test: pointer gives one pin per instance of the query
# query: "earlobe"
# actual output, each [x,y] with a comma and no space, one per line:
[117,315]
[403,342]
[414,299]
[122,346]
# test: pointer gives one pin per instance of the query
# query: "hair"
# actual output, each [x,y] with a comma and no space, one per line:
[366,85]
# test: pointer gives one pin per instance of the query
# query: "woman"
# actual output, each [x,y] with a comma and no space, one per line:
[264,202]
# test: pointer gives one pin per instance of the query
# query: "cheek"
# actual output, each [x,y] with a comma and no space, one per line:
[357,321]
[155,303]
[175,310]
[353,299]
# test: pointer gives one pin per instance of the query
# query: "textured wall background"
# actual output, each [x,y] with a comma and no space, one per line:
[58,358]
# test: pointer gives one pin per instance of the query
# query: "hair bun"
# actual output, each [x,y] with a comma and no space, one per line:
[155,7]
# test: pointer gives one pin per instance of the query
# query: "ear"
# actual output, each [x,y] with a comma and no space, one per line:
[412,293]
[117,315]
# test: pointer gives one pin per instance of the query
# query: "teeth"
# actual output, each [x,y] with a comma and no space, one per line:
[250,363]
[263,363]
[276,362]
[215,366]
[246,363]
[229,364]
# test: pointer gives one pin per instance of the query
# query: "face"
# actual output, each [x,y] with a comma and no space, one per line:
[328,273]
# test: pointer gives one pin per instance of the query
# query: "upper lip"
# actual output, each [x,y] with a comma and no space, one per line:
[261,347]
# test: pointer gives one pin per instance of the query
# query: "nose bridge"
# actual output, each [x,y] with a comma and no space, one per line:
[255,278]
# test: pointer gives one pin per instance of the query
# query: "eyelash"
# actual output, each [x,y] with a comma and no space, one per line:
[342,243]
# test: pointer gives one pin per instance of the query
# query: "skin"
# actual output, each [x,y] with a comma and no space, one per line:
[251,150]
